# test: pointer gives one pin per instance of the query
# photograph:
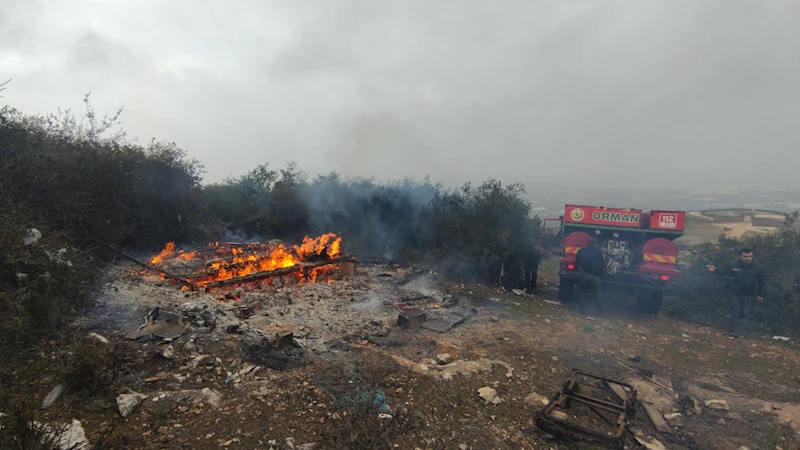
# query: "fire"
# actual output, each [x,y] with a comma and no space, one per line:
[168,252]
[224,262]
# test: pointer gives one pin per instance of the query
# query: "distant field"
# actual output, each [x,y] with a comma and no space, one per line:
[698,231]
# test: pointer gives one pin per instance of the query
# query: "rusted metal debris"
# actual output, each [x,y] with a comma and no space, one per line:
[568,414]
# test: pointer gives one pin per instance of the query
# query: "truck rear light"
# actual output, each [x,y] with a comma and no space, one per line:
[570,266]
[664,277]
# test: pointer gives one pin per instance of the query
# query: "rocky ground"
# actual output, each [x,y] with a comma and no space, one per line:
[324,365]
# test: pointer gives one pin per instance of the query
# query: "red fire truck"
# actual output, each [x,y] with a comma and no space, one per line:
[639,252]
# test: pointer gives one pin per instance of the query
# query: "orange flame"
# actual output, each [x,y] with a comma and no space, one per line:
[167,253]
[236,261]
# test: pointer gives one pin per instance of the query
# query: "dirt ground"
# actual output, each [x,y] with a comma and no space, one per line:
[353,379]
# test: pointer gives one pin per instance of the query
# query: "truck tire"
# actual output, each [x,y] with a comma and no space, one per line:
[649,301]
[566,289]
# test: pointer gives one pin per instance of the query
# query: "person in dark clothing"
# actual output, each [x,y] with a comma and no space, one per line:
[532,261]
[590,266]
[745,286]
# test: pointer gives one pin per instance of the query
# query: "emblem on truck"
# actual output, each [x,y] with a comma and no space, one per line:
[577,214]
[667,220]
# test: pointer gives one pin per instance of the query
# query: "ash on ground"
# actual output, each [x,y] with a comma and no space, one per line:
[318,314]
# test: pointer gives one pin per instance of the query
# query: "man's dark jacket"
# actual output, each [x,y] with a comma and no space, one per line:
[744,279]
[589,260]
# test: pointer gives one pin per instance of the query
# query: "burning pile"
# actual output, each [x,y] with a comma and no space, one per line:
[233,263]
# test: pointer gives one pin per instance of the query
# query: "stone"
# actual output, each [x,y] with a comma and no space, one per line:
[717,404]
[127,403]
[674,419]
[534,399]
[650,443]
[168,352]
[489,394]
[443,358]
[560,415]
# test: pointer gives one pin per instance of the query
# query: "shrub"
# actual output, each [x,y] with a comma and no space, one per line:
[701,296]
[477,233]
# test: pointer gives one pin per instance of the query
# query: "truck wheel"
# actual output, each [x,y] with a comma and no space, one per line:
[649,302]
[566,289]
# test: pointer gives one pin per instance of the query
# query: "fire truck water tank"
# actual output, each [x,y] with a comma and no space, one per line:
[660,250]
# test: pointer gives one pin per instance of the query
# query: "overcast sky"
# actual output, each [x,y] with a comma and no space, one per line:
[698,94]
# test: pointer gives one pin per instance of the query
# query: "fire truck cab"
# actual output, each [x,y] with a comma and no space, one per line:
[638,245]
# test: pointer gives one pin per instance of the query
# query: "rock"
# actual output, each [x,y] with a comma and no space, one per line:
[210,396]
[650,443]
[634,358]
[97,337]
[489,394]
[53,396]
[443,358]
[744,448]
[560,415]
[534,399]
[168,352]
[127,403]
[721,421]
[463,446]
[691,406]
[674,419]
[717,404]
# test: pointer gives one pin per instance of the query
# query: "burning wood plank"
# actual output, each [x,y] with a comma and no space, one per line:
[300,267]
[232,263]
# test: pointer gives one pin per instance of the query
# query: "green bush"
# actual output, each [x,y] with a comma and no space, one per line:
[97,187]
[701,297]
[79,182]
[477,233]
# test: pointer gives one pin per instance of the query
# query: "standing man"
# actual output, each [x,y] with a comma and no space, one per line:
[745,287]
[590,265]
[532,260]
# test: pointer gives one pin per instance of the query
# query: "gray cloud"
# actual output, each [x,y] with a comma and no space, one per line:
[662,93]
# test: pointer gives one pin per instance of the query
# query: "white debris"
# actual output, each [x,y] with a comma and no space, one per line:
[780,338]
[68,437]
[33,235]
[53,396]
[98,337]
[168,352]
